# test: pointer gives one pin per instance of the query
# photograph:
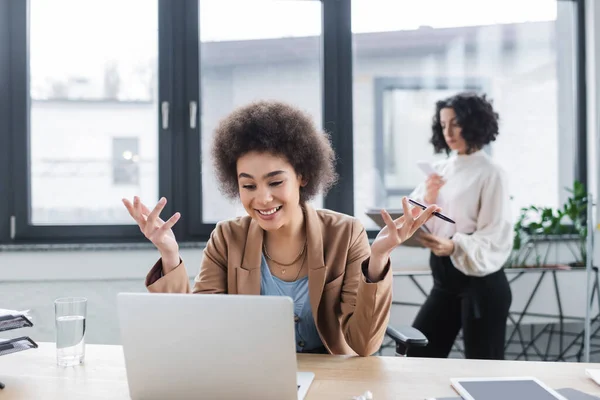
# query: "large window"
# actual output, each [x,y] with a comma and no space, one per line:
[91,77]
[276,57]
[110,99]
[404,61]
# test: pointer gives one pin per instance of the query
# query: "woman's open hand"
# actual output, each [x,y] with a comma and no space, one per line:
[399,230]
[156,230]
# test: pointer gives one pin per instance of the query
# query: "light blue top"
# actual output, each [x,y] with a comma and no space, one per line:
[307,337]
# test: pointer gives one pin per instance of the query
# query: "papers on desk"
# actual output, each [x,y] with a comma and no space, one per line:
[13,319]
[9,346]
[4,312]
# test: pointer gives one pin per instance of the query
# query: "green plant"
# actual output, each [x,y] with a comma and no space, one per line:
[570,219]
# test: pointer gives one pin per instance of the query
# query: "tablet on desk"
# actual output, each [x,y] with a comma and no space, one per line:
[569,393]
[520,388]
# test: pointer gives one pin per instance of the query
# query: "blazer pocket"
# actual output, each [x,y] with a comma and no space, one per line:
[334,283]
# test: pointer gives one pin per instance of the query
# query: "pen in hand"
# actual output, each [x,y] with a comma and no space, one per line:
[437,214]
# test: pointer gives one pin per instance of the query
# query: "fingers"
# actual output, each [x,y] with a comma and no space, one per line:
[434,184]
[137,207]
[435,180]
[153,216]
[140,213]
[132,208]
[415,211]
[408,216]
[389,222]
[169,223]
[153,228]
[408,210]
[128,206]
[146,212]
[426,214]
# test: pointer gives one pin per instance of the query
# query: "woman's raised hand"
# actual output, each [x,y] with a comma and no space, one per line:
[156,230]
[397,231]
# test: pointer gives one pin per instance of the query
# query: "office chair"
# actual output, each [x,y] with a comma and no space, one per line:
[406,337]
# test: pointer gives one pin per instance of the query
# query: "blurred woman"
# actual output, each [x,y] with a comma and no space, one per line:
[470,288]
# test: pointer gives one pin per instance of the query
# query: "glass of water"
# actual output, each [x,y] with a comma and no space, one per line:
[70,314]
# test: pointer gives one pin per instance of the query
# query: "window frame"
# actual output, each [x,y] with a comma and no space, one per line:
[179,145]
[380,85]
[21,230]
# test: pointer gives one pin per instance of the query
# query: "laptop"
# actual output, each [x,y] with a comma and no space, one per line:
[184,346]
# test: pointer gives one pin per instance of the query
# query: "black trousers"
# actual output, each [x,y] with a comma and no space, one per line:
[478,305]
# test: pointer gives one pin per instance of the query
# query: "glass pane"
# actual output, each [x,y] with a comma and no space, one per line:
[407,57]
[94,133]
[406,123]
[267,49]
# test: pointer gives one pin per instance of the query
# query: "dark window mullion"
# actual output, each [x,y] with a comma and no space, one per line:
[19,121]
[5,137]
[337,99]
[197,229]
[581,161]
[170,159]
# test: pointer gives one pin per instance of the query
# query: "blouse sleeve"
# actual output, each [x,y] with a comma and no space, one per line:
[486,250]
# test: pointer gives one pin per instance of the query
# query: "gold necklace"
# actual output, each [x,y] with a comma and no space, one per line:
[301,267]
[280,263]
[299,270]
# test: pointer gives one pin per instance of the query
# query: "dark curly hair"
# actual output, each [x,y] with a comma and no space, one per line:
[279,129]
[474,114]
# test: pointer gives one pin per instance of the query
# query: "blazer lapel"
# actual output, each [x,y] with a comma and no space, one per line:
[316,263]
[248,274]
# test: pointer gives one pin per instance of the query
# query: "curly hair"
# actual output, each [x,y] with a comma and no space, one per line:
[474,114]
[279,129]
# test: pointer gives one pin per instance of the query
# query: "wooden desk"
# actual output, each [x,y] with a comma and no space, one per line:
[33,374]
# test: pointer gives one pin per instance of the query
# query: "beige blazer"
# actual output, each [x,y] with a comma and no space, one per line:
[350,314]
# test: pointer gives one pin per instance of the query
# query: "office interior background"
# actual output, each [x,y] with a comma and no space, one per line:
[101,100]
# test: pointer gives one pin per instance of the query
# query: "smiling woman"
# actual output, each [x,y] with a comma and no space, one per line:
[271,157]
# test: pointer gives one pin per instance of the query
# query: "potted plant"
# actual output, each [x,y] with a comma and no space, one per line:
[543,224]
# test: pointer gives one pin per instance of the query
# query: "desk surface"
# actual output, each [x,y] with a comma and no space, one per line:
[33,374]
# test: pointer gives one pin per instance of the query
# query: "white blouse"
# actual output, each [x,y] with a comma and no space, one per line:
[476,197]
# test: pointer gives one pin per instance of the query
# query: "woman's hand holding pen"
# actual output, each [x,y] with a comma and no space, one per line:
[395,233]
[156,230]
[433,184]
[439,246]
